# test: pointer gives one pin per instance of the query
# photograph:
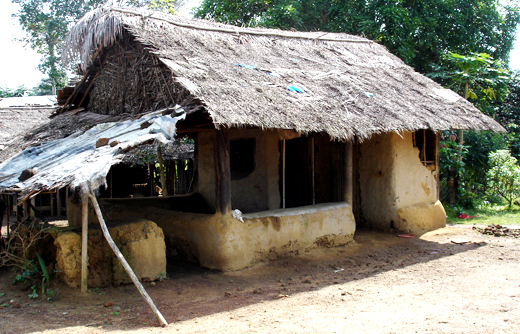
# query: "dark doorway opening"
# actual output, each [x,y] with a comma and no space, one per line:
[298,172]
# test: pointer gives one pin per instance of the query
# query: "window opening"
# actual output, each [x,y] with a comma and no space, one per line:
[242,158]
[426,141]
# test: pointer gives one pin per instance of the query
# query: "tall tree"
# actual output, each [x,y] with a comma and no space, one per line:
[47,22]
[419,32]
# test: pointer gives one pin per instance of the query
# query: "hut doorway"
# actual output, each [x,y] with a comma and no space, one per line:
[298,172]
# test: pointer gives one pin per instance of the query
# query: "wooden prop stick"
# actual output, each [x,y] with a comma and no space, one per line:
[84,241]
[125,264]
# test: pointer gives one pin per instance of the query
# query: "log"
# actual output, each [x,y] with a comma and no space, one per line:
[123,261]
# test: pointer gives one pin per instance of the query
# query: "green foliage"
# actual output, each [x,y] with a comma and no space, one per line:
[479,145]
[477,77]
[51,294]
[504,176]
[419,32]
[98,291]
[47,22]
[467,167]
[14,92]
[167,6]
[487,213]
[45,274]
[33,294]
[507,113]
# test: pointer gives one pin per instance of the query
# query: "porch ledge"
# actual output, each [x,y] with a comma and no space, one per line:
[295,211]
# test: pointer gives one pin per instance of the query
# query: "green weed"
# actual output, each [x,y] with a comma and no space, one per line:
[33,295]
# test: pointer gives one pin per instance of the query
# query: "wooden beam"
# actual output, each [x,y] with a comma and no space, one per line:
[58,202]
[161,172]
[84,241]
[123,261]
[349,170]
[53,198]
[223,172]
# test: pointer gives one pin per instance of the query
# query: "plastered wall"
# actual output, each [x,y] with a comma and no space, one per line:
[396,190]
[258,191]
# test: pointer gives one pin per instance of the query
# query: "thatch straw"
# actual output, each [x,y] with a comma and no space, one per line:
[351,87]
[15,123]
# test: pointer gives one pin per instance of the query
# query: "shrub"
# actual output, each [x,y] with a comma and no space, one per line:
[503,176]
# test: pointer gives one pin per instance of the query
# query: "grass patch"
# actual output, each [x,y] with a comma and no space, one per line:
[485,215]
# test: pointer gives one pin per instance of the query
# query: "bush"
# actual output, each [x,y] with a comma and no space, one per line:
[503,176]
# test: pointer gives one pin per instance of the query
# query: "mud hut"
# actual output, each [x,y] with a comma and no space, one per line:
[299,137]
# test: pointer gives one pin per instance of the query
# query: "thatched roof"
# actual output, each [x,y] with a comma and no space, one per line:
[318,82]
[209,73]
[16,122]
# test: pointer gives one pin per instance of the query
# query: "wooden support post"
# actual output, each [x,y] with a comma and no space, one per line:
[356,187]
[9,208]
[223,172]
[84,240]
[58,201]
[349,170]
[53,198]
[123,261]
[161,172]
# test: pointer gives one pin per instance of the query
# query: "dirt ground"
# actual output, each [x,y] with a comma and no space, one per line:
[378,284]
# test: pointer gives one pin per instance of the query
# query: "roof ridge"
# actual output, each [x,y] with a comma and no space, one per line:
[242,30]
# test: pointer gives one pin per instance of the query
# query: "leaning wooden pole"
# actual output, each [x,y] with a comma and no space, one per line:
[84,242]
[122,259]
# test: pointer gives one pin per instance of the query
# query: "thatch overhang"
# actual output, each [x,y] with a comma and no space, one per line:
[18,117]
[342,85]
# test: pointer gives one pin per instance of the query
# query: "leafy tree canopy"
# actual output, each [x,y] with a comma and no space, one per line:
[47,22]
[14,92]
[477,77]
[419,32]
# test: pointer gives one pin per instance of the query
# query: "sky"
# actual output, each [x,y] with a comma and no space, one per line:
[18,64]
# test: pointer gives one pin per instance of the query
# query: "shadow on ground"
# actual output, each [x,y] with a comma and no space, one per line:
[192,291]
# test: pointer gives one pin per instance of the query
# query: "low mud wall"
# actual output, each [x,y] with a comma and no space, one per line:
[140,241]
[226,243]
